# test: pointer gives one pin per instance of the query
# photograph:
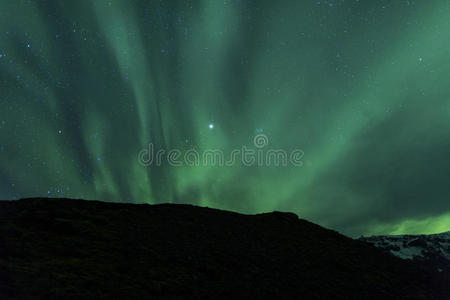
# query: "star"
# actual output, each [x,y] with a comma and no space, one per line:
[211,126]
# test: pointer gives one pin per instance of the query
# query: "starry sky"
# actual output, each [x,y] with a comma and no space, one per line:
[360,86]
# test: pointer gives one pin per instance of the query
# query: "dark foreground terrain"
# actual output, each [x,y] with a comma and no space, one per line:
[74,249]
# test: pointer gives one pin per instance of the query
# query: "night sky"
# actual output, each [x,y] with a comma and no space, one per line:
[362,87]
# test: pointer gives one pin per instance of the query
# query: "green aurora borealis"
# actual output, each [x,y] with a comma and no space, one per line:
[362,87]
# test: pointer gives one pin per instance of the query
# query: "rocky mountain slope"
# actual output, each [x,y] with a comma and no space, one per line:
[75,249]
[432,250]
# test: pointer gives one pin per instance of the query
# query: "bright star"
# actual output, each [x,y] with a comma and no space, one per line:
[211,126]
